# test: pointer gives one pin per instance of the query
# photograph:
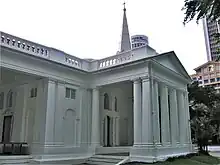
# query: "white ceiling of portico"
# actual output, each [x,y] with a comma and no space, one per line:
[13,77]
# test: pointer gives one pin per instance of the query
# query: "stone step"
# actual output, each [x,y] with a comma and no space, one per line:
[12,160]
[104,160]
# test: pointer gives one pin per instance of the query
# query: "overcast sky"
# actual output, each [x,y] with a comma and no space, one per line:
[92,28]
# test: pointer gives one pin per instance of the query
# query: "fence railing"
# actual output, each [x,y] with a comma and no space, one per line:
[51,54]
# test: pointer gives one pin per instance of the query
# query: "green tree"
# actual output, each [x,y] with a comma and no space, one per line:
[200,8]
[204,105]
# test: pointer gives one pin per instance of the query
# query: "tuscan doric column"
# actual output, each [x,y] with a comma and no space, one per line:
[188,129]
[50,112]
[173,117]
[59,113]
[182,116]
[165,126]
[147,132]
[24,114]
[137,112]
[95,118]
[156,113]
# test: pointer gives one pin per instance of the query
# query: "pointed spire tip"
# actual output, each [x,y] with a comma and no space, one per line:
[124,6]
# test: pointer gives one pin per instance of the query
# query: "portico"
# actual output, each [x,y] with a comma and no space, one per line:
[161,115]
[158,116]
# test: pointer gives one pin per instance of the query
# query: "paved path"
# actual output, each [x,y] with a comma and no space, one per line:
[215,154]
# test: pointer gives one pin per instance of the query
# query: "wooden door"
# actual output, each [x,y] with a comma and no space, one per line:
[6,133]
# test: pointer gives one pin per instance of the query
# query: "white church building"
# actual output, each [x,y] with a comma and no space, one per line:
[132,106]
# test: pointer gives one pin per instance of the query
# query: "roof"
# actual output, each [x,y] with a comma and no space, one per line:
[180,66]
[205,64]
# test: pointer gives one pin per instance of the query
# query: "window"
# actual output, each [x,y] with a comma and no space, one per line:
[1,100]
[218,78]
[200,82]
[211,68]
[9,98]
[33,92]
[116,104]
[200,77]
[206,81]
[199,70]
[106,101]
[212,80]
[194,79]
[212,75]
[206,77]
[70,93]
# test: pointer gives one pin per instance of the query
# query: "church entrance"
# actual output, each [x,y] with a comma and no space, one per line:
[6,133]
[109,133]
[117,115]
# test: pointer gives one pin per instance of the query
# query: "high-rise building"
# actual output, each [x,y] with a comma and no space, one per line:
[212,47]
[138,41]
[208,74]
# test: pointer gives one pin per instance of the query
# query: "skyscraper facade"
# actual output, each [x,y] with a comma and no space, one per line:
[138,41]
[212,47]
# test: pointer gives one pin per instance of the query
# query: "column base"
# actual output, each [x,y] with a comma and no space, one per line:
[151,154]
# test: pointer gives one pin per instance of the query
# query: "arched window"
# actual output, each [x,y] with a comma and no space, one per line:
[9,98]
[116,104]
[106,101]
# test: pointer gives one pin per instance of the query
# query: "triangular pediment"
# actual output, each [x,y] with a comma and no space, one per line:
[171,61]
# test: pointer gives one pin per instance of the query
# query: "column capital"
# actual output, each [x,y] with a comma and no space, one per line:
[145,78]
[181,90]
[136,80]
[59,82]
[52,81]
[82,88]
[171,90]
[95,88]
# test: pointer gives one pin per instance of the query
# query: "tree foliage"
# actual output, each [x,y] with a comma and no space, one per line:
[200,8]
[203,95]
[204,114]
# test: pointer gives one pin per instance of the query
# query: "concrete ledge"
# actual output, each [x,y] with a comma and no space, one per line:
[214,148]
[150,154]
[60,159]
[15,159]
[107,150]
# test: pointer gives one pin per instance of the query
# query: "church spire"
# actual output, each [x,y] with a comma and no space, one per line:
[125,37]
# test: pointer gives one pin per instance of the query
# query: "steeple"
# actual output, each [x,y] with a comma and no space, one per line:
[125,37]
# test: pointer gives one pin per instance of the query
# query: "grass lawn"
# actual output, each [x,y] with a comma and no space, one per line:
[194,160]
